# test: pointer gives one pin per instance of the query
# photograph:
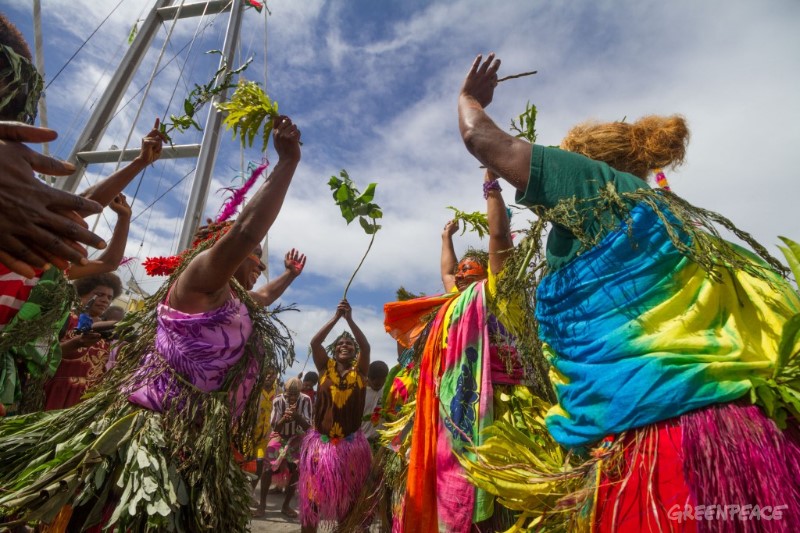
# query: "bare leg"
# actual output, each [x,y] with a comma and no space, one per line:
[266,481]
[290,490]
[259,470]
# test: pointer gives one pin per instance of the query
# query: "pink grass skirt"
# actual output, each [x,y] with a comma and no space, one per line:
[332,473]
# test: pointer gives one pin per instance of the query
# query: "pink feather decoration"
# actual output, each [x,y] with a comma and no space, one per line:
[233,203]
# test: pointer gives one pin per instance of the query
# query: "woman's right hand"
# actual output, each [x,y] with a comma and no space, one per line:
[286,137]
[450,229]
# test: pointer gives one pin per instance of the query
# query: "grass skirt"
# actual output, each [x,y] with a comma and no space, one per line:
[332,473]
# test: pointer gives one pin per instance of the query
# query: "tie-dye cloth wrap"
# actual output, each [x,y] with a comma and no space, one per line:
[639,333]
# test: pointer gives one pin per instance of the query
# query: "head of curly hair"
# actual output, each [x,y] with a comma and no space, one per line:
[637,148]
[84,286]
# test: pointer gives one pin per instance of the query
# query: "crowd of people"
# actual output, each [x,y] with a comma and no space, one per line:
[649,354]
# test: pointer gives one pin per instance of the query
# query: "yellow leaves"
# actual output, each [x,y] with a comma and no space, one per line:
[248,108]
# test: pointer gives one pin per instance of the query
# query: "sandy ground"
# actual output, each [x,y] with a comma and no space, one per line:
[275,522]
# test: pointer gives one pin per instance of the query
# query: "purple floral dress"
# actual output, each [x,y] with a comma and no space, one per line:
[201,348]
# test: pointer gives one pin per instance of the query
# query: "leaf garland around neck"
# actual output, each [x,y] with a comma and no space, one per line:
[527,265]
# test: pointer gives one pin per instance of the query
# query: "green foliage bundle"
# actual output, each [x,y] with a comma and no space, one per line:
[352,204]
[249,112]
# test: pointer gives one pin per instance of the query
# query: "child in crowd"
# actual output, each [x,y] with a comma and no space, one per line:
[310,380]
[376,378]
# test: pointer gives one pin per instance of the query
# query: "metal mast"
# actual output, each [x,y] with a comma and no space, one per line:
[85,149]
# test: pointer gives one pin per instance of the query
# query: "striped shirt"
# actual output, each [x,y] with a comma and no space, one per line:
[289,429]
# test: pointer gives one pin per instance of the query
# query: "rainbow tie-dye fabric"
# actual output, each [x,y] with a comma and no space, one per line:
[639,333]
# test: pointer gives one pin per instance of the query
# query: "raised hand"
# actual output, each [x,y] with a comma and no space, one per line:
[152,143]
[450,229]
[481,80]
[120,206]
[344,310]
[37,222]
[294,262]
[286,137]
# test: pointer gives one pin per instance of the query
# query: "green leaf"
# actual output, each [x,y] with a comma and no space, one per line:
[368,194]
[344,193]
[790,337]
[792,253]
[475,221]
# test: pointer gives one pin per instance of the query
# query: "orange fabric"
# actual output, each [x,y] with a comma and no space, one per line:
[404,321]
[651,482]
[420,513]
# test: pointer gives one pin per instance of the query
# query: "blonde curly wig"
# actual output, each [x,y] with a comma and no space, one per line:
[638,148]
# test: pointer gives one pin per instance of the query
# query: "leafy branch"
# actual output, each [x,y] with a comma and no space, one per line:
[475,221]
[352,204]
[527,124]
[221,81]
[792,253]
[247,109]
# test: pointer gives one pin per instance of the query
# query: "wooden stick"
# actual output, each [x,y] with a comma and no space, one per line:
[514,76]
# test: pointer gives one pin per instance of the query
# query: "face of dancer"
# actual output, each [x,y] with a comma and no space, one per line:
[345,350]
[104,296]
[468,271]
[251,268]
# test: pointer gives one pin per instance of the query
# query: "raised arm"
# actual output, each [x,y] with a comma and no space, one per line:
[204,283]
[361,339]
[317,349]
[449,259]
[108,189]
[294,262]
[111,257]
[500,243]
[504,154]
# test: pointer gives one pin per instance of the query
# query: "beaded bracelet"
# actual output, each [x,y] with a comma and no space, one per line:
[492,185]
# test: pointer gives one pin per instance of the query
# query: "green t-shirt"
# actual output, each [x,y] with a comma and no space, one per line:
[556,175]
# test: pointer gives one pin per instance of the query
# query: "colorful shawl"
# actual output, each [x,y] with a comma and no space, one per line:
[639,332]
[454,403]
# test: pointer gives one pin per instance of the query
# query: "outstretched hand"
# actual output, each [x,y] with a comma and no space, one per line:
[294,262]
[286,137]
[37,222]
[481,80]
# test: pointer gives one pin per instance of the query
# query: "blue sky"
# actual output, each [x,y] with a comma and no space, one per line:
[373,87]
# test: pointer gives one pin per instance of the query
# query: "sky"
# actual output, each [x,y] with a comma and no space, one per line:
[373,87]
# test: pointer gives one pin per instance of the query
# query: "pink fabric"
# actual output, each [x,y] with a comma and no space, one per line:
[456,496]
[202,348]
